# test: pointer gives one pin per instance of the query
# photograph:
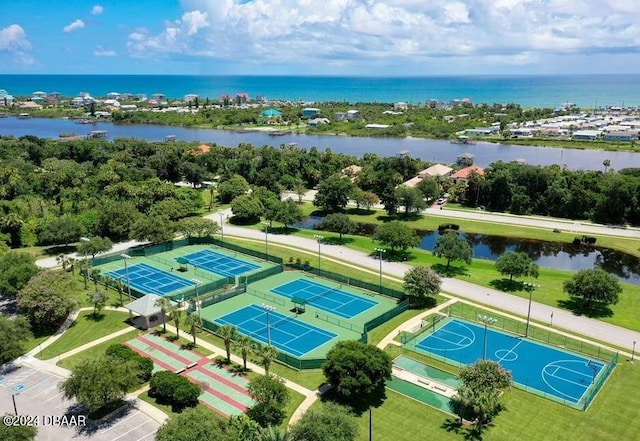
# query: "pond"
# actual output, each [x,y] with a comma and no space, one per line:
[558,255]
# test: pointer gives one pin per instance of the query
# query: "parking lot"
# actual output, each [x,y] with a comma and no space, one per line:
[39,401]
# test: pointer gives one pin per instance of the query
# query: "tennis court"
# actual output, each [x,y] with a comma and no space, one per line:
[219,263]
[284,332]
[564,375]
[150,280]
[324,297]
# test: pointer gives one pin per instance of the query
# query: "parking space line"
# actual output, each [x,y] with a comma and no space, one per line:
[45,390]
[56,396]
[131,430]
[122,421]
[148,434]
[37,384]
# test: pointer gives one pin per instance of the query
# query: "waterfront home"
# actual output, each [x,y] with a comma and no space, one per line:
[315,122]
[350,172]
[354,115]
[98,134]
[242,98]
[5,99]
[200,150]
[401,105]
[141,96]
[310,112]
[435,170]
[39,95]
[462,175]
[113,96]
[377,126]
[624,136]
[586,135]
[191,98]
[160,98]
[270,114]
[483,131]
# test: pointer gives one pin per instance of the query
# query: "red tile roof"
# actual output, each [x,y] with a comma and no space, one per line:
[465,172]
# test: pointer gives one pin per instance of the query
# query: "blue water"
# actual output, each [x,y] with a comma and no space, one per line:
[528,90]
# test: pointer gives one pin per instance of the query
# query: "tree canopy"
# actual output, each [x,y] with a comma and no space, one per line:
[246,208]
[396,235]
[13,335]
[356,370]
[16,268]
[329,422]
[338,223]
[452,247]
[333,193]
[271,397]
[48,298]
[516,264]
[196,424]
[421,282]
[593,286]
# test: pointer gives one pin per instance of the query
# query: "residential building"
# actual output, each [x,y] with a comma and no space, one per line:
[586,135]
[191,98]
[435,170]
[354,115]
[310,112]
[462,175]
[400,106]
[626,136]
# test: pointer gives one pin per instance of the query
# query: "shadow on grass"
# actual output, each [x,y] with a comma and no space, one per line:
[358,404]
[452,271]
[469,432]
[91,317]
[236,221]
[580,307]
[506,285]
[424,303]
[359,211]
[282,230]
[337,240]
[400,217]
[59,249]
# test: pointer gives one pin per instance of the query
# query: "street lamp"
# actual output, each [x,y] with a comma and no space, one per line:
[319,239]
[84,241]
[268,308]
[266,238]
[380,252]
[633,351]
[126,257]
[529,287]
[222,218]
[486,320]
[197,283]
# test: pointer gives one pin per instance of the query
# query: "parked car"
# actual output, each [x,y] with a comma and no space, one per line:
[441,201]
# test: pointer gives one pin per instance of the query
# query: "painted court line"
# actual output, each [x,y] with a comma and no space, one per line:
[510,351]
[193,376]
[163,350]
[156,361]
[173,347]
[222,380]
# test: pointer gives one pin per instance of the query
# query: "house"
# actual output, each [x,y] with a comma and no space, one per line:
[39,95]
[354,115]
[141,96]
[482,131]
[5,99]
[161,98]
[113,96]
[391,112]
[340,116]
[242,98]
[462,175]
[200,150]
[191,98]
[413,182]
[350,172]
[585,135]
[377,126]
[271,114]
[310,112]
[400,106]
[626,136]
[434,171]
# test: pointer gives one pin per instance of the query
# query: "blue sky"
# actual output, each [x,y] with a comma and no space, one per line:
[323,37]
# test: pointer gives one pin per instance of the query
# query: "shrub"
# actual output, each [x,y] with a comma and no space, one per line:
[124,353]
[176,390]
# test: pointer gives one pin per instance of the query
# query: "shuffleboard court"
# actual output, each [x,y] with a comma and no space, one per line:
[150,280]
[285,333]
[552,371]
[220,264]
[332,300]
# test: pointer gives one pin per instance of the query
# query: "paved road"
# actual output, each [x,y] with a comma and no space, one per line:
[594,329]
[51,262]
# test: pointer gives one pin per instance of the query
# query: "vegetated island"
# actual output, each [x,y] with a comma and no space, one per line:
[609,128]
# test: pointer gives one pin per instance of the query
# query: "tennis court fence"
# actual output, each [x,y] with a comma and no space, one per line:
[383,318]
[212,299]
[349,281]
[259,275]
[341,323]
[265,296]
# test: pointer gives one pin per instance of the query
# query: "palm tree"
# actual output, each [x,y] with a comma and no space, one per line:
[177,315]
[63,261]
[607,164]
[228,333]
[245,346]
[95,276]
[107,281]
[194,321]
[165,306]
[120,289]
[273,433]
[267,354]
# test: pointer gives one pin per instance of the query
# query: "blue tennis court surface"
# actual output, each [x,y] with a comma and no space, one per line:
[563,374]
[325,297]
[219,263]
[287,334]
[150,280]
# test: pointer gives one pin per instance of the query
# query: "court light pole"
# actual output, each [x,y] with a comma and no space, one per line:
[268,308]
[84,241]
[266,238]
[633,351]
[380,252]
[222,219]
[126,257]
[486,320]
[319,239]
[197,283]
[529,287]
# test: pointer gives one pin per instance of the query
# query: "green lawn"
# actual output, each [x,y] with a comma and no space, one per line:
[85,329]
[95,351]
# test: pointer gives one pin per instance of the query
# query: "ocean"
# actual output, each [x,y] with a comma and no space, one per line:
[587,91]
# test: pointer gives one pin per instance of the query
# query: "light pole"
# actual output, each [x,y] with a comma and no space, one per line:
[126,257]
[266,238]
[529,287]
[486,320]
[633,351]
[222,218]
[319,239]
[380,252]
[197,283]
[268,308]
[84,241]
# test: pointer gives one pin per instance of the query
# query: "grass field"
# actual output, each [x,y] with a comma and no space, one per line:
[95,351]
[86,329]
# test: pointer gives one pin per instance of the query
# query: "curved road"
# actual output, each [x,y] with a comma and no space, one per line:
[594,329]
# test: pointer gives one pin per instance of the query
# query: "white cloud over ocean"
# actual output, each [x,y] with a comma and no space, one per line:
[387,32]
[15,45]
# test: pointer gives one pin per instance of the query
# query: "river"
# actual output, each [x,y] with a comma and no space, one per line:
[426,149]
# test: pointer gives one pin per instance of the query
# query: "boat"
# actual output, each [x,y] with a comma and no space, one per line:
[463,140]
[278,133]
[24,116]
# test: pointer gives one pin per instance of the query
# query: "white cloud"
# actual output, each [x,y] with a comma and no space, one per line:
[74,25]
[375,32]
[97,10]
[102,52]
[14,42]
